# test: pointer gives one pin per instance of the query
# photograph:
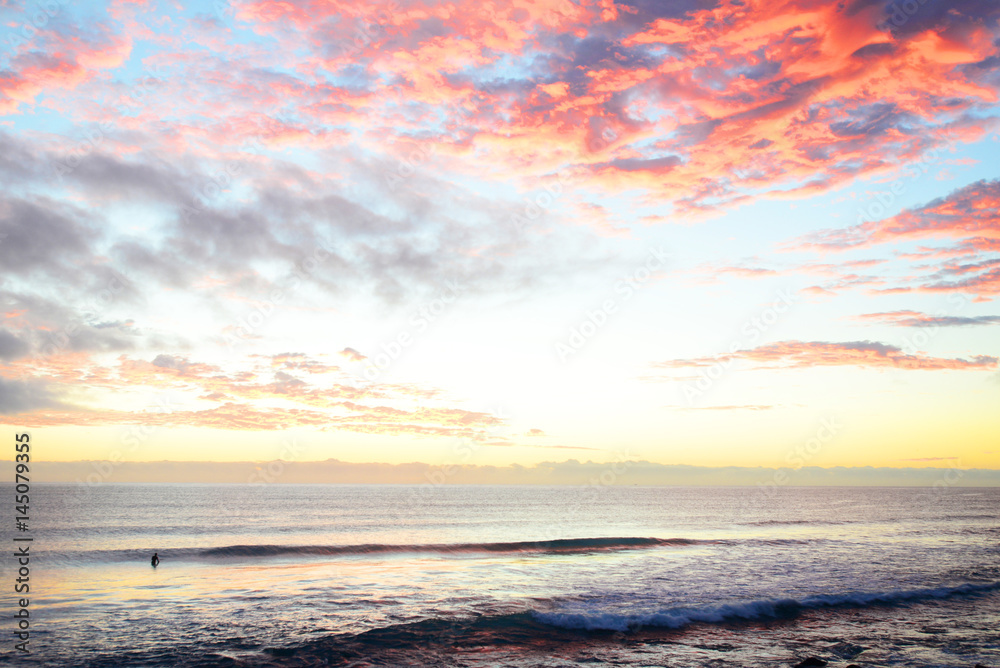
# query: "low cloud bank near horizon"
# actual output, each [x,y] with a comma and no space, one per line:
[570,472]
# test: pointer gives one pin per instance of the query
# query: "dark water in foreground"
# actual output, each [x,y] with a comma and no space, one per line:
[313,575]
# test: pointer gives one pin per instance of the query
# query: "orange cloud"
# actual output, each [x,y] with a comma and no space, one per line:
[702,108]
[246,400]
[969,213]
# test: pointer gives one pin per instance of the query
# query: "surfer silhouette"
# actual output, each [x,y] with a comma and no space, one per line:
[155,560]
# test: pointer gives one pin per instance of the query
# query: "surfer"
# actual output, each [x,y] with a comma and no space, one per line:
[155,560]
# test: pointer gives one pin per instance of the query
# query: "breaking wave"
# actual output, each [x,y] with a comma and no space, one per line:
[751,610]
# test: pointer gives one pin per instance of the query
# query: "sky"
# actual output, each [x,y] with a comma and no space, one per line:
[733,233]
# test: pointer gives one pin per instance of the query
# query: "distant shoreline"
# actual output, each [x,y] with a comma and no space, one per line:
[566,473]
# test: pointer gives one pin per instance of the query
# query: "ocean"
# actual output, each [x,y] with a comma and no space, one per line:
[341,575]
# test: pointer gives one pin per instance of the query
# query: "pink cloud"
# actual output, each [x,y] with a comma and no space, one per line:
[969,213]
[776,100]
[967,216]
[906,318]
[55,62]
[805,354]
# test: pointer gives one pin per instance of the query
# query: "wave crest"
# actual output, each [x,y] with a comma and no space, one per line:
[751,610]
[562,545]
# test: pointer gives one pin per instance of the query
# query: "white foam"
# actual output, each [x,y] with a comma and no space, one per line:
[761,609]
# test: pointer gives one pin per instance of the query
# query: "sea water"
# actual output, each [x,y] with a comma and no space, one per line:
[303,575]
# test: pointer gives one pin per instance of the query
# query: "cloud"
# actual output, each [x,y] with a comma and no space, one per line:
[284,166]
[43,411]
[301,362]
[63,58]
[246,396]
[228,416]
[819,291]
[170,362]
[908,318]
[294,230]
[747,407]
[43,236]
[569,472]
[11,347]
[741,271]
[929,459]
[962,233]
[805,354]
[51,327]
[353,355]
[777,99]
[968,213]
[19,397]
